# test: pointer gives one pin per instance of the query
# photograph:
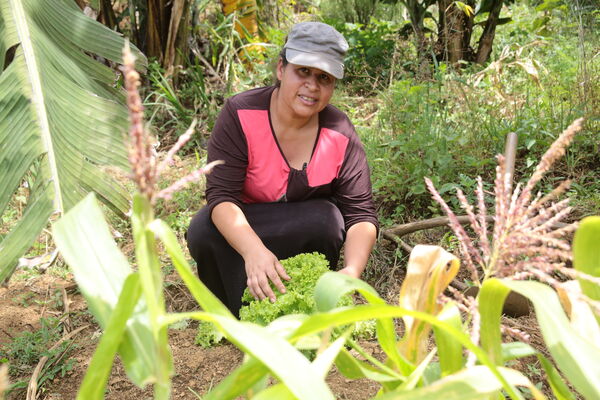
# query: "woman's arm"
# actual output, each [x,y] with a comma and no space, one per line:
[360,240]
[261,264]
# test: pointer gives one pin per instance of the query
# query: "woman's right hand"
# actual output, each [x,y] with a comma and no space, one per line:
[261,267]
[261,264]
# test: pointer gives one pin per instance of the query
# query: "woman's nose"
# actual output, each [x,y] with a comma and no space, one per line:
[311,81]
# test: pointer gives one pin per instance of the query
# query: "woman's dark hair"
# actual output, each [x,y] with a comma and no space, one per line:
[284,61]
[282,56]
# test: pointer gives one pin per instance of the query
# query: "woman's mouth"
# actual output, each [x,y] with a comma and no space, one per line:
[307,100]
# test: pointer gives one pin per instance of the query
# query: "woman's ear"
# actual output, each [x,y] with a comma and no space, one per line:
[280,68]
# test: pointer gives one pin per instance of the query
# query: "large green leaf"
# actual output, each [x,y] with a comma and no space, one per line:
[450,352]
[239,381]
[96,377]
[475,383]
[491,301]
[586,257]
[61,118]
[100,269]
[286,363]
[575,355]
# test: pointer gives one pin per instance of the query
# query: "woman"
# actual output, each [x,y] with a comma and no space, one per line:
[295,177]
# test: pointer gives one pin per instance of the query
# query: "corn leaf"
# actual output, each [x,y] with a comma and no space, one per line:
[575,355]
[285,362]
[429,271]
[321,364]
[557,385]
[514,350]
[60,116]
[96,377]
[208,301]
[491,301]
[100,270]
[580,313]
[239,381]
[278,391]
[586,257]
[415,377]
[450,352]
[470,384]
[352,368]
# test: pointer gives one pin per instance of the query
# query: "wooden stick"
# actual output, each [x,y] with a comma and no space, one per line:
[405,229]
[67,322]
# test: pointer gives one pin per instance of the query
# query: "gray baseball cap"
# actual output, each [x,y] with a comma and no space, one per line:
[317,45]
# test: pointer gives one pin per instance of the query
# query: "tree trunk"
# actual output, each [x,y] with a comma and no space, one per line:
[176,46]
[454,32]
[107,15]
[364,10]
[416,12]
[157,21]
[489,32]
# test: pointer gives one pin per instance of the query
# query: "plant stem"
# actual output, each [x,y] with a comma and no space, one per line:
[152,284]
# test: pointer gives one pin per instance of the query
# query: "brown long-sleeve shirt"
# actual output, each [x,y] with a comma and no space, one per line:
[256,171]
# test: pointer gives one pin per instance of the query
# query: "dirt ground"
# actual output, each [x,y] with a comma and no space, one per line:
[25,301]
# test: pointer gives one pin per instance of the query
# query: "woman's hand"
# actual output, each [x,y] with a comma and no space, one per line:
[354,272]
[261,267]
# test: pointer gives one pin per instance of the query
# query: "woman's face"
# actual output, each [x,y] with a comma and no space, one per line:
[305,90]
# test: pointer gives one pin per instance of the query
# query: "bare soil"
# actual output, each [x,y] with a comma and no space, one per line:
[24,302]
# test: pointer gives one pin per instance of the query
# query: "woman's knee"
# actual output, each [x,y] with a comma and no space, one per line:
[325,221]
[201,233]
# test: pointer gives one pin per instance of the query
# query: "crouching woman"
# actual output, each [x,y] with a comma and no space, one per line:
[295,177]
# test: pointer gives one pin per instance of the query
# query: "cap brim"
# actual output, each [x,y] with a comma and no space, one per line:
[315,61]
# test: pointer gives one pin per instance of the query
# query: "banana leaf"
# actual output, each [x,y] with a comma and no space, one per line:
[61,117]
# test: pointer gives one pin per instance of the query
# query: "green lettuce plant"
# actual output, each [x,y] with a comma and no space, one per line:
[304,270]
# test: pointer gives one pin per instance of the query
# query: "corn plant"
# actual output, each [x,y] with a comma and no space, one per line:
[129,306]
[409,371]
[528,241]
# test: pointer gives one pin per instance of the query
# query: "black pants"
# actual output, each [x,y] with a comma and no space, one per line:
[286,229]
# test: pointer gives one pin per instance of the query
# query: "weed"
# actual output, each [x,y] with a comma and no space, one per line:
[27,348]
